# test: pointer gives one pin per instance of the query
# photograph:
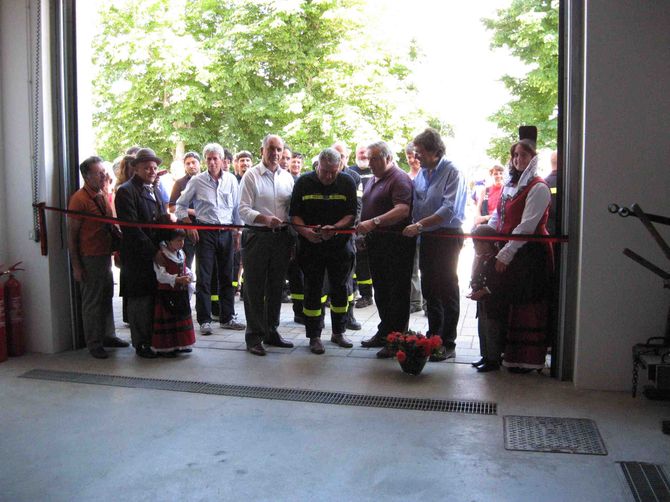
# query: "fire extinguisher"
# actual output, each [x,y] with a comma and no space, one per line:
[16,345]
[3,328]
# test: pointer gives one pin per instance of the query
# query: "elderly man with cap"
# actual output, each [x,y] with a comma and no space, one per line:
[191,167]
[215,199]
[138,201]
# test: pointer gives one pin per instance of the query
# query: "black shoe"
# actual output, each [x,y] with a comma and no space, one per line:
[146,352]
[519,371]
[99,353]
[341,340]
[488,366]
[184,351]
[385,353]
[362,302]
[277,341]
[115,342]
[375,341]
[257,350]
[169,354]
[442,355]
[479,363]
[353,324]
[316,346]
[298,319]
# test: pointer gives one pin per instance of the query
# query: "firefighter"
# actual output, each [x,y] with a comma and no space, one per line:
[325,199]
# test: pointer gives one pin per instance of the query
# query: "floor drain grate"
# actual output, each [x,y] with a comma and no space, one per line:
[301,395]
[647,482]
[553,435]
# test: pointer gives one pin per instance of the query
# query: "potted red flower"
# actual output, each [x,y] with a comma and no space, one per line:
[412,349]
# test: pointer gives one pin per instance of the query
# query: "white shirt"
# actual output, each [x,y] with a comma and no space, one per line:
[265,192]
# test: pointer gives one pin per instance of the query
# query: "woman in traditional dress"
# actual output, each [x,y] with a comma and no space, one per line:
[525,267]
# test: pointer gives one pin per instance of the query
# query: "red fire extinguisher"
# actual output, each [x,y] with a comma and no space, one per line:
[3,328]
[16,345]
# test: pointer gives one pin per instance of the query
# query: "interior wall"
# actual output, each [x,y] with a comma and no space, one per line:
[45,292]
[626,156]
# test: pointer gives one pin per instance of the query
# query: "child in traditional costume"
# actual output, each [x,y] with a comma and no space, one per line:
[173,322]
[491,307]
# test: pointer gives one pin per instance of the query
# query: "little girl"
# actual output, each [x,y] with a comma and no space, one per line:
[491,307]
[173,322]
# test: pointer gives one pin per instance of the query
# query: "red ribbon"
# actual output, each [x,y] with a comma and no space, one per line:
[190,226]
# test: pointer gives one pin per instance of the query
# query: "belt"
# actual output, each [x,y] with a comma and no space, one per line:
[266,229]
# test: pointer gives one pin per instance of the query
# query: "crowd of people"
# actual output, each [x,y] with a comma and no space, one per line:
[328,230]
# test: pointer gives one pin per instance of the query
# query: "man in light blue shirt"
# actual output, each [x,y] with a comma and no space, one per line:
[214,194]
[438,212]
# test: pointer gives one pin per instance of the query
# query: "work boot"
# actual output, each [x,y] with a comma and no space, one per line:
[352,323]
[341,340]
[316,346]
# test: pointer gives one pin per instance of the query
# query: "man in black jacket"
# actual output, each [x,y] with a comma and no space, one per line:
[137,200]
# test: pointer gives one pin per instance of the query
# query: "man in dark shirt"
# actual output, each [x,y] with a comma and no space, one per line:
[363,278]
[191,167]
[327,199]
[387,201]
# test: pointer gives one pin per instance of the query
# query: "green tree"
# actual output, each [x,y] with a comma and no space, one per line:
[529,29]
[188,72]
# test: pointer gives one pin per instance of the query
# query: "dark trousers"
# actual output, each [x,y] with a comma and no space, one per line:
[315,261]
[363,277]
[214,246]
[438,262]
[265,256]
[189,253]
[391,262]
[295,280]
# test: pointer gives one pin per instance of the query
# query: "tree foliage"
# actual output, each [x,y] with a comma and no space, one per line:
[529,29]
[193,71]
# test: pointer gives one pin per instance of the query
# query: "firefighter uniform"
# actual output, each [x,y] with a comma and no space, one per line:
[319,204]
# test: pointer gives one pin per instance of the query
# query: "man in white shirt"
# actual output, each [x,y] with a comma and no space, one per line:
[215,200]
[265,195]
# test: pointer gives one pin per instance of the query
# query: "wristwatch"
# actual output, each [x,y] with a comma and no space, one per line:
[419,227]
[376,221]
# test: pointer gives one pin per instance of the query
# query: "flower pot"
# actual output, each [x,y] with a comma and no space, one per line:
[413,365]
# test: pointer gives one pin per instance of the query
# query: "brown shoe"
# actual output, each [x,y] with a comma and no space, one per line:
[341,340]
[375,341]
[257,350]
[385,353]
[316,346]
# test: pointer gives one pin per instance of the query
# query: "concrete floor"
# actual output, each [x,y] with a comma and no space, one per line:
[72,442]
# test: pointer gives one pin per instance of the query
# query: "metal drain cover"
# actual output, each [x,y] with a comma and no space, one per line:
[301,395]
[553,435]
[647,482]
